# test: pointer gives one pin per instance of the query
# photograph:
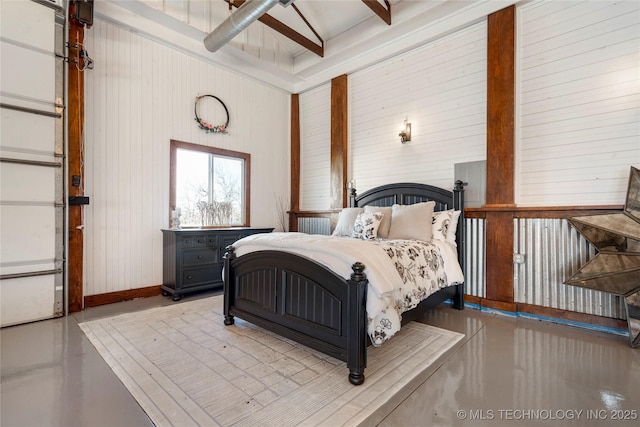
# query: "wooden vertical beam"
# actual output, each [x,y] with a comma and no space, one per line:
[501,108]
[295,161]
[500,154]
[499,256]
[75,114]
[339,144]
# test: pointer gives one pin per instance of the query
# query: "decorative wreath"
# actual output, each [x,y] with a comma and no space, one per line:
[208,127]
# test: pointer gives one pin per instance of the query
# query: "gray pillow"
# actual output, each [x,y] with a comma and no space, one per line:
[412,221]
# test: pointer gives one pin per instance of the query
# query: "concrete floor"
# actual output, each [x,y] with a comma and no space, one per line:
[508,371]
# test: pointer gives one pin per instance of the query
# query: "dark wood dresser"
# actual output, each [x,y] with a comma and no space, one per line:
[192,258]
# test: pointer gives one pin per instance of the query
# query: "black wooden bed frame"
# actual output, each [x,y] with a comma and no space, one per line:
[302,300]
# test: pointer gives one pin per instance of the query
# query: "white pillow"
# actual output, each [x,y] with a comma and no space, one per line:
[366,225]
[346,219]
[412,221]
[444,225]
[385,225]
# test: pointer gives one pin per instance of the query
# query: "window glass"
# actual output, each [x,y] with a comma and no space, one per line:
[209,185]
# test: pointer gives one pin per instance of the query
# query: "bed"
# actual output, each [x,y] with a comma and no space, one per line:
[301,299]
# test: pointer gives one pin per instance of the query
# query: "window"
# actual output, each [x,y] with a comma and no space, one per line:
[210,186]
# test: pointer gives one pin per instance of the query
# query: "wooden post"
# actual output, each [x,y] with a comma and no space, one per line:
[75,154]
[339,145]
[500,154]
[295,161]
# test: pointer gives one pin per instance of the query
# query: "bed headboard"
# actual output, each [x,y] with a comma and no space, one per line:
[408,193]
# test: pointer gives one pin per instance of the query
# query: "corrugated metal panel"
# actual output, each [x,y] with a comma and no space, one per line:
[553,251]
[314,225]
[475,261]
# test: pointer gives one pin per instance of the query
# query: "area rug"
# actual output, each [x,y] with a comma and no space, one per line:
[186,368]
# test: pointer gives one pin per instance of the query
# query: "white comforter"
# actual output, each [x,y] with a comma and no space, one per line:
[388,281]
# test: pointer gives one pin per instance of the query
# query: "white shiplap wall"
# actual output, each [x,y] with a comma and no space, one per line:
[315,148]
[579,101]
[139,96]
[441,89]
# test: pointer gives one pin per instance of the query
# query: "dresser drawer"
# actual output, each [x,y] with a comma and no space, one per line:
[200,256]
[212,240]
[192,241]
[201,275]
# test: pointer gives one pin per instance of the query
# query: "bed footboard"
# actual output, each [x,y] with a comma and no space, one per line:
[300,299]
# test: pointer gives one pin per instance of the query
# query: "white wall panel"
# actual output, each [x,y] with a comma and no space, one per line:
[139,96]
[40,187]
[578,102]
[18,126]
[315,148]
[34,32]
[22,247]
[26,300]
[13,78]
[441,89]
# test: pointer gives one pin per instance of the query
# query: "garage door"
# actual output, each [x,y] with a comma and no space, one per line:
[32,195]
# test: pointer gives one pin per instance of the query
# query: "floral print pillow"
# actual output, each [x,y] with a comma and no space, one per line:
[440,227]
[444,225]
[366,225]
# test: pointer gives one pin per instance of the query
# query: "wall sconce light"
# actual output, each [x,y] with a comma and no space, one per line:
[405,134]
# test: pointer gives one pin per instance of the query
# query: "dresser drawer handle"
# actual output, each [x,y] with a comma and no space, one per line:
[199,241]
[189,277]
[199,256]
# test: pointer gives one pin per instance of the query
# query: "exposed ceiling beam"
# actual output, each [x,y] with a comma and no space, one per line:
[287,31]
[383,12]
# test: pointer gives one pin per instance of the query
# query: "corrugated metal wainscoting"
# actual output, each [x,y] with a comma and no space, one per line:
[553,251]
[314,225]
[475,258]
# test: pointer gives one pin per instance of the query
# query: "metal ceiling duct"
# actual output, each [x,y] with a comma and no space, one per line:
[249,12]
